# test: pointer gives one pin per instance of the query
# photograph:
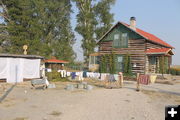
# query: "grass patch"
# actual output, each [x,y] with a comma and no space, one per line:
[21,118]
[164,82]
[160,95]
[60,80]
[55,113]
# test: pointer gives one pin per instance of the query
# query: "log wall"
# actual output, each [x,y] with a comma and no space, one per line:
[150,45]
[136,48]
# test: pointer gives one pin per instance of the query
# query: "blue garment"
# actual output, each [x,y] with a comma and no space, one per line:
[85,74]
[111,78]
[73,75]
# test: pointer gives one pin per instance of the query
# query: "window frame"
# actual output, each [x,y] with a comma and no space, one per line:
[118,43]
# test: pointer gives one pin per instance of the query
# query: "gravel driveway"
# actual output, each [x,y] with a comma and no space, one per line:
[24,103]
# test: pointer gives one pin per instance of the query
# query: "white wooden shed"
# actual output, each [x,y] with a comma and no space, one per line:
[15,68]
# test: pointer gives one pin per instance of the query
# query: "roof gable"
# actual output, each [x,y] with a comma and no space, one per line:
[140,32]
[118,29]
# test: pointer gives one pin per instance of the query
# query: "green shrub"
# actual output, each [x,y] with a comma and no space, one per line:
[127,65]
[55,76]
[175,71]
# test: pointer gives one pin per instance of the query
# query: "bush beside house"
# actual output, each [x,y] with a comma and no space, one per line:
[175,71]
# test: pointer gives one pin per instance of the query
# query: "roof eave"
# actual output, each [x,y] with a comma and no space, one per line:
[156,53]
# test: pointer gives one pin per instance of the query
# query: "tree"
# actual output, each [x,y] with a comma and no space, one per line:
[86,26]
[103,17]
[4,36]
[41,24]
[94,19]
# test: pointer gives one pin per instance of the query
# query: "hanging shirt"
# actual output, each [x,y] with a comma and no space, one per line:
[111,78]
[116,77]
[84,74]
[68,74]
[73,75]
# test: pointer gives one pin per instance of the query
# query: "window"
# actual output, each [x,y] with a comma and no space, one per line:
[97,58]
[91,60]
[124,40]
[152,60]
[120,40]
[116,36]
[94,59]
[116,41]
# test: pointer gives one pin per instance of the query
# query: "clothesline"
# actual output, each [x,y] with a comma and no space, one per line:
[144,79]
[82,74]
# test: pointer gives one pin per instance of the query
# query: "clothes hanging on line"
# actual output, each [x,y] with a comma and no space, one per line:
[103,76]
[68,74]
[73,75]
[144,79]
[116,77]
[111,78]
[62,73]
[84,74]
[80,76]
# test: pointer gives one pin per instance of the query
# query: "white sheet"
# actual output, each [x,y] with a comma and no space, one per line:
[31,68]
[15,69]
[14,73]
[3,68]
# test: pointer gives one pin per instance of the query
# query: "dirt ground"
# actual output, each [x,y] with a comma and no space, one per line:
[24,103]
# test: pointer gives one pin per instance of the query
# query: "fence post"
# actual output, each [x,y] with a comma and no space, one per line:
[121,79]
[138,82]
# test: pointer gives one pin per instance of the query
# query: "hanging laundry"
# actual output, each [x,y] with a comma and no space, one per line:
[68,74]
[73,75]
[62,72]
[103,76]
[80,76]
[85,74]
[144,79]
[116,77]
[49,70]
[111,78]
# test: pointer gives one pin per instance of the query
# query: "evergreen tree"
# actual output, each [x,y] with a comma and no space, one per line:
[3,27]
[41,24]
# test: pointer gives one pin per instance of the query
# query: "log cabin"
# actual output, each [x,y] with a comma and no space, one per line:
[145,49]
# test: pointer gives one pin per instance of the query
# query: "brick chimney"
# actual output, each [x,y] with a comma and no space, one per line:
[133,23]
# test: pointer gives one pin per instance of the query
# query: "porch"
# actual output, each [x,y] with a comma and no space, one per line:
[158,60]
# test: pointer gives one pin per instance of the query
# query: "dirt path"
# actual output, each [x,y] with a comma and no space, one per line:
[24,103]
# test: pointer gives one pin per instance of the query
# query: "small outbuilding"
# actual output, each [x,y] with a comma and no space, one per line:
[55,64]
[15,68]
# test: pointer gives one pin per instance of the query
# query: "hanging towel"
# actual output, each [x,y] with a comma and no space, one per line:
[153,78]
[111,78]
[116,77]
[68,74]
[73,75]
[85,74]
[144,79]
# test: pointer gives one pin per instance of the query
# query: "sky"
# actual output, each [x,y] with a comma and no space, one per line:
[158,17]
